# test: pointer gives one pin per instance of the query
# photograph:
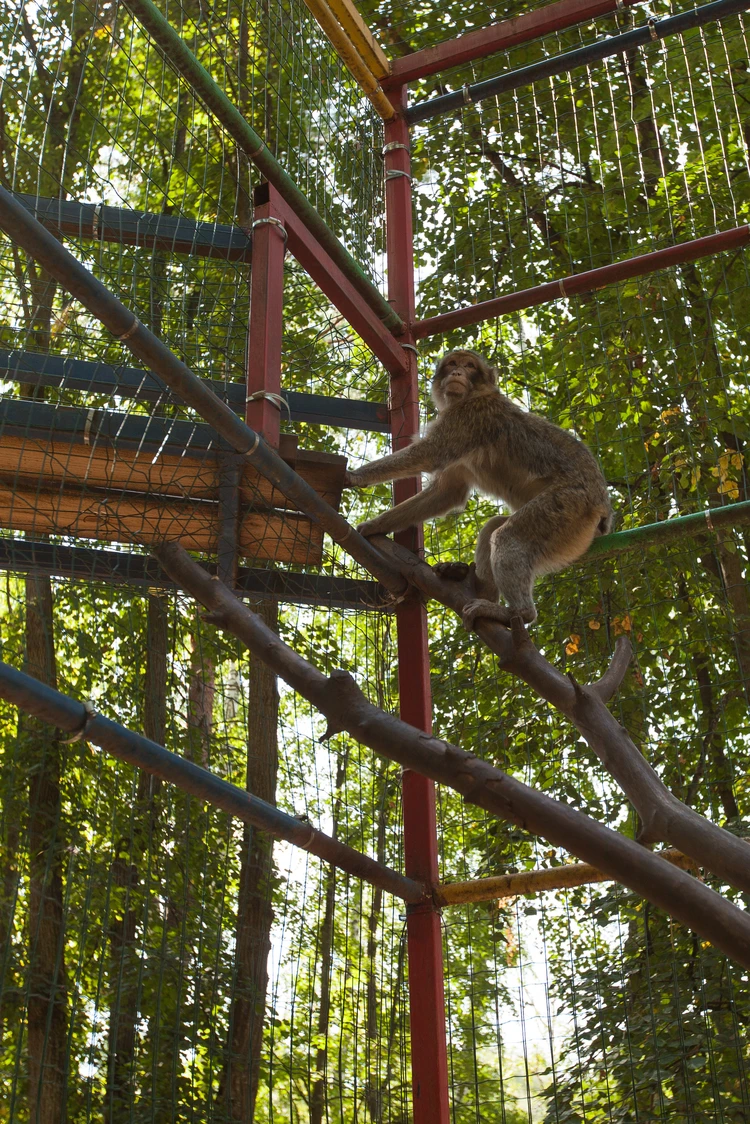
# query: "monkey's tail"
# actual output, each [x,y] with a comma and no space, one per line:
[606,523]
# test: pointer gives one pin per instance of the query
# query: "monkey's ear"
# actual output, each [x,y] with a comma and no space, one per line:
[494,374]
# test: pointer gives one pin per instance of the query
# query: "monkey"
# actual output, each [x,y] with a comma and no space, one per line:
[551,482]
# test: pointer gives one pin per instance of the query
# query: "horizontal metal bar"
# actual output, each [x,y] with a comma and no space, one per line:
[485,41]
[42,245]
[140,228]
[587,282]
[179,55]
[569,60]
[36,698]
[77,563]
[659,534]
[501,886]
[39,369]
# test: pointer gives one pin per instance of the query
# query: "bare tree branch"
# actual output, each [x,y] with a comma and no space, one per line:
[663,816]
[341,701]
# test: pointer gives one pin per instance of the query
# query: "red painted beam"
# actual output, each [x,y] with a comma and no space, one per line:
[498,37]
[266,315]
[587,282]
[340,291]
[429,1057]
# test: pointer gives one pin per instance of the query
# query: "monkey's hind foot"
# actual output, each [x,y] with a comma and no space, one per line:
[490,610]
[452,571]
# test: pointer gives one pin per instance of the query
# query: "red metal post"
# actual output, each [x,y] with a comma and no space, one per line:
[266,314]
[497,37]
[426,991]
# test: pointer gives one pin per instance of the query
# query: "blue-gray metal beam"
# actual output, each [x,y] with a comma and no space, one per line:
[140,228]
[37,369]
[80,563]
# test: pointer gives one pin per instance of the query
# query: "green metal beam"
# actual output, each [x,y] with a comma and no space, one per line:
[181,57]
[660,534]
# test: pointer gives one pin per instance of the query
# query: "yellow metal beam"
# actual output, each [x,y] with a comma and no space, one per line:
[364,41]
[535,881]
[351,58]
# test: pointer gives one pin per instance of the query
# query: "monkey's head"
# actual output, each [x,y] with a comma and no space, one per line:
[459,374]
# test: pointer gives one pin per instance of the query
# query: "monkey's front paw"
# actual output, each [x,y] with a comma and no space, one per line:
[371,527]
[351,480]
[452,571]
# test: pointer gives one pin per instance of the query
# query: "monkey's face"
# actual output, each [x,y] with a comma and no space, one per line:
[459,374]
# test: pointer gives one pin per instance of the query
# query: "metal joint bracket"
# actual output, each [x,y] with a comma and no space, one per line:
[131,330]
[278,400]
[80,735]
[273,222]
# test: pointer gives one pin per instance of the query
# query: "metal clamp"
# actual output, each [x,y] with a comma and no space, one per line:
[95,220]
[273,222]
[652,28]
[466,91]
[131,330]
[278,401]
[561,283]
[80,735]
[395,146]
[395,174]
[410,347]
[709,521]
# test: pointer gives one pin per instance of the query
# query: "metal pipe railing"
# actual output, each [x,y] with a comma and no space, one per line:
[659,534]
[587,282]
[78,719]
[211,94]
[569,60]
[28,232]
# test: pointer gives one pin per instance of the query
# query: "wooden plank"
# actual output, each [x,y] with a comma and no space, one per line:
[63,463]
[129,517]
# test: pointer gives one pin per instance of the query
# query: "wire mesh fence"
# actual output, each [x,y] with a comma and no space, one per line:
[137,925]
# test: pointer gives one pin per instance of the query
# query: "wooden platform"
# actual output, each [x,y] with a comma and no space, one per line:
[125,478]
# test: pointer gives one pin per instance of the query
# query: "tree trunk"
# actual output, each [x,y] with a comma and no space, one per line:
[239,1084]
[47,1006]
[126,877]
[318,1097]
[201,695]
[374,1090]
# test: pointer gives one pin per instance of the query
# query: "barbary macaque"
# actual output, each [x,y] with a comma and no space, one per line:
[550,481]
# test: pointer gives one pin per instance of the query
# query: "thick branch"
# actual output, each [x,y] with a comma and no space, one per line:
[346,708]
[664,817]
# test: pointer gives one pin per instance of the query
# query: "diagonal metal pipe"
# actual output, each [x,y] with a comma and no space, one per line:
[76,718]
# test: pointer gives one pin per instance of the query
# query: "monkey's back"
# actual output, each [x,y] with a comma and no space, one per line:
[515,455]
